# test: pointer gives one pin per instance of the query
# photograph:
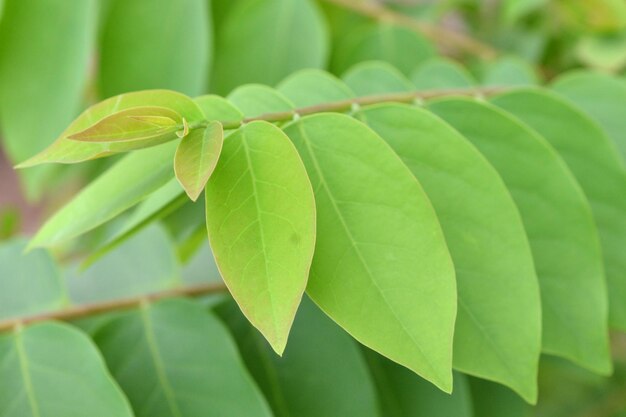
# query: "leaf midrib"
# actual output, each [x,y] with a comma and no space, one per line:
[25,372]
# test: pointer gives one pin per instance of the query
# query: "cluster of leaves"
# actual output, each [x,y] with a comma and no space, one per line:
[426,225]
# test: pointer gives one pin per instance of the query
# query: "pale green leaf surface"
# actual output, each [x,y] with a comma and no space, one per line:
[260,214]
[145,263]
[45,50]
[142,172]
[558,222]
[509,71]
[595,162]
[69,151]
[263,41]
[29,283]
[380,258]
[404,394]
[196,157]
[369,78]
[324,378]
[173,358]
[600,96]
[255,100]
[150,124]
[149,44]
[311,87]
[218,108]
[52,369]
[441,73]
[399,46]
[496,282]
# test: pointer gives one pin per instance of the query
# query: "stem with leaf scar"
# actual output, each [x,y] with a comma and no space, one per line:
[86,310]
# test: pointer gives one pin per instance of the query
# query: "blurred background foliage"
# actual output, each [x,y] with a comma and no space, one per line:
[59,56]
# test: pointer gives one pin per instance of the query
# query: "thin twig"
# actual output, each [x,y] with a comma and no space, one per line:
[344,105]
[91,309]
[438,34]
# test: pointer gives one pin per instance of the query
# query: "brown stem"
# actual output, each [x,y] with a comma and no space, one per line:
[343,105]
[91,309]
[438,34]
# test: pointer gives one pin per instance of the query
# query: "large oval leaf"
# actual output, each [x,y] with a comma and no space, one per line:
[596,163]
[255,99]
[311,87]
[328,378]
[45,51]
[260,216]
[440,73]
[68,151]
[369,78]
[600,96]
[175,359]
[381,267]
[155,44]
[557,218]
[55,370]
[265,40]
[496,281]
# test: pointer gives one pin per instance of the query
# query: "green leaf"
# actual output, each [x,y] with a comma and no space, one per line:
[311,87]
[146,263]
[30,284]
[558,222]
[371,78]
[496,282]
[55,370]
[328,378]
[381,267]
[218,108]
[509,71]
[155,44]
[441,73]
[68,151]
[404,394]
[151,125]
[45,53]
[255,99]
[262,41]
[399,46]
[141,172]
[173,358]
[196,158]
[600,96]
[595,162]
[260,216]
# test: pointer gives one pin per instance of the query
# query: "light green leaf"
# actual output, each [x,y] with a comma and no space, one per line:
[146,263]
[152,125]
[68,151]
[595,162]
[155,44]
[196,158]
[496,282]
[600,96]
[310,87]
[30,283]
[45,52]
[262,41]
[558,221]
[142,172]
[371,78]
[328,378]
[260,216]
[401,47]
[55,370]
[174,358]
[255,99]
[509,71]
[441,73]
[218,108]
[404,394]
[381,268]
